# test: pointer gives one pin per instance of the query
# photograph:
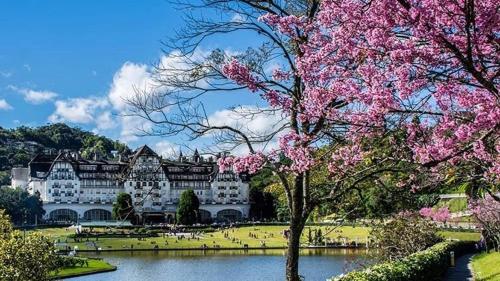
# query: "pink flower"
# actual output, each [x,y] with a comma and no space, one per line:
[251,163]
[440,215]
[241,75]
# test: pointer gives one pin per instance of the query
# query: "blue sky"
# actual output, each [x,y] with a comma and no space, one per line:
[69,61]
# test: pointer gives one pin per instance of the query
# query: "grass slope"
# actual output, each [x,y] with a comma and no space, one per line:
[95,266]
[486,267]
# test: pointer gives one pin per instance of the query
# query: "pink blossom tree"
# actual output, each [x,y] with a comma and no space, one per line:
[487,213]
[350,72]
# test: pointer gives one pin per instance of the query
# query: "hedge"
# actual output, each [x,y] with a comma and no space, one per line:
[426,265]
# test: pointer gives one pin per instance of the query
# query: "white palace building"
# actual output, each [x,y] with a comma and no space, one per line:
[77,189]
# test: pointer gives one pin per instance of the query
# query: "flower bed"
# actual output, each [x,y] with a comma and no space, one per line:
[426,265]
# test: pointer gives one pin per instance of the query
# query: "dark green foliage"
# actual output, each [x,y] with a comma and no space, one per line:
[427,265]
[319,237]
[67,262]
[123,208]
[282,211]
[20,206]
[403,235]
[187,211]
[374,200]
[262,204]
[4,178]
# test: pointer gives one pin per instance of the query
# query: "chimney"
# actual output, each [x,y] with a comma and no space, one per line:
[196,156]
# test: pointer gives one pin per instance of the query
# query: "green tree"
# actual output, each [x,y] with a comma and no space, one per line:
[4,177]
[263,204]
[187,211]
[24,257]
[123,209]
[21,206]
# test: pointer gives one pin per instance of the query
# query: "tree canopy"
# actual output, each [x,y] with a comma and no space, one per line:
[188,208]
[22,207]
[123,209]
[24,257]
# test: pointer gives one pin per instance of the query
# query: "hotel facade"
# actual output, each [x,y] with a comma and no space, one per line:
[77,189]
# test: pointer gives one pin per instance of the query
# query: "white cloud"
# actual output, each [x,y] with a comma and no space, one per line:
[77,110]
[238,18]
[4,105]
[249,119]
[105,121]
[127,81]
[131,126]
[166,149]
[5,74]
[132,78]
[252,121]
[34,96]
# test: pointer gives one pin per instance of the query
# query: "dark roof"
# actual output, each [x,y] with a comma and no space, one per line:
[176,170]
[41,163]
[181,170]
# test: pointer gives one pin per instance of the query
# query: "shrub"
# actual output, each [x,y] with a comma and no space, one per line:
[426,265]
[405,234]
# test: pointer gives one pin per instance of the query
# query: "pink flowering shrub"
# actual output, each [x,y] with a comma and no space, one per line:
[439,215]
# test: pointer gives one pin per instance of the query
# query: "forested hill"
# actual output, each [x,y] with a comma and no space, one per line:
[18,146]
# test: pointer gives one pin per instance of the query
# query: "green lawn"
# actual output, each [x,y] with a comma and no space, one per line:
[272,236]
[486,267]
[454,204]
[95,266]
[466,236]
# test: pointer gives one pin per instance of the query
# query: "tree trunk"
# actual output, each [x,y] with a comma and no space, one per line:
[297,221]
[292,258]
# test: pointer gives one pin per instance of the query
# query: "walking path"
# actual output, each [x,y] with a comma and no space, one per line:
[461,271]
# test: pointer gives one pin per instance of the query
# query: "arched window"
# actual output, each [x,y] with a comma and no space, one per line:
[229,215]
[205,216]
[97,215]
[63,215]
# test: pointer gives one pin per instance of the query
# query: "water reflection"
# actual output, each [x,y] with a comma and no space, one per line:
[242,252]
[225,265]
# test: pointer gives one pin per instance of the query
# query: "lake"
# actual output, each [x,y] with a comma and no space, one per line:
[240,265]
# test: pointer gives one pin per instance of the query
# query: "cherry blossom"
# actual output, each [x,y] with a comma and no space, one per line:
[439,215]
[430,67]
